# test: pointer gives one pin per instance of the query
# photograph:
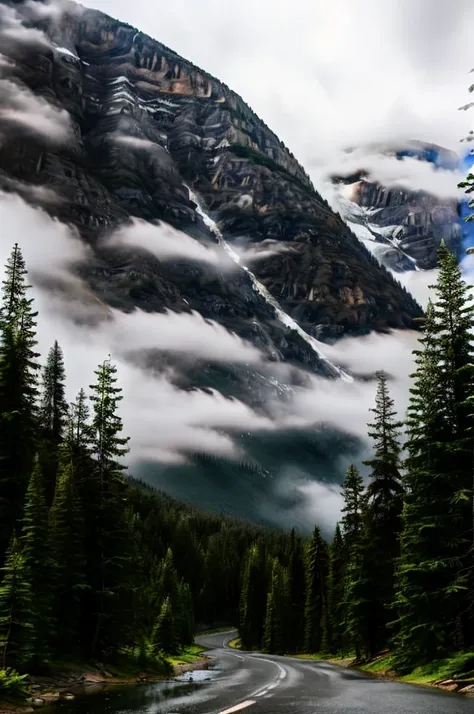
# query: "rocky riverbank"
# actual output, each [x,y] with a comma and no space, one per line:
[66,685]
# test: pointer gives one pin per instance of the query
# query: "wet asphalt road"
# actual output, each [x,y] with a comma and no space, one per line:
[284,685]
[263,684]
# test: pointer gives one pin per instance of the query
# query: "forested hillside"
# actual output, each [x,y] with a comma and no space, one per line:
[96,564]
[399,571]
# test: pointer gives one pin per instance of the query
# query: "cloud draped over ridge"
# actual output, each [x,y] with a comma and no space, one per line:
[164,422]
[14,33]
[168,243]
[23,113]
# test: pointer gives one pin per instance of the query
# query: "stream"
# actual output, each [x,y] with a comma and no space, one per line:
[167,697]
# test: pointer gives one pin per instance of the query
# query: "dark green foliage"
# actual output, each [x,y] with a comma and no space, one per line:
[109,530]
[164,637]
[275,634]
[125,569]
[356,601]
[184,615]
[383,522]
[168,579]
[433,600]
[15,613]
[34,544]
[52,418]
[66,548]
[18,391]
[315,612]
[296,595]
[13,687]
[253,600]
[337,565]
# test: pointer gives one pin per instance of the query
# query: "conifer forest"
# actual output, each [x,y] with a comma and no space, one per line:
[95,563]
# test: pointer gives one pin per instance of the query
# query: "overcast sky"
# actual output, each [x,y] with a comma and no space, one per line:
[328,73]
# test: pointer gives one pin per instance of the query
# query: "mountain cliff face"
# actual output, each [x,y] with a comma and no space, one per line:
[112,78]
[192,154]
[402,228]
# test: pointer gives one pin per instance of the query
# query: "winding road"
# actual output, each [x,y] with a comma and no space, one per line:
[251,683]
[265,684]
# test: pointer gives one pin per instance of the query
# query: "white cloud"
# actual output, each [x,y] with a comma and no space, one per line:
[327,75]
[418,282]
[163,241]
[164,422]
[180,333]
[24,113]
[136,142]
[14,33]
[408,173]
[253,253]
[167,243]
[346,405]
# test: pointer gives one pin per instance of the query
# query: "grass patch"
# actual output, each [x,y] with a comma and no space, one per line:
[379,665]
[188,655]
[441,669]
[235,643]
[303,655]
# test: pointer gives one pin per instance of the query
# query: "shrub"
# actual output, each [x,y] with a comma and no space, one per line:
[12,685]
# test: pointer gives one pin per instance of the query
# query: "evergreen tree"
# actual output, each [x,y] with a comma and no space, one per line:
[253,600]
[53,416]
[296,595]
[168,579]
[34,543]
[337,565]
[384,506]
[78,434]
[66,542]
[315,612]
[275,629]
[15,614]
[356,604]
[109,528]
[164,635]
[184,619]
[437,516]
[18,392]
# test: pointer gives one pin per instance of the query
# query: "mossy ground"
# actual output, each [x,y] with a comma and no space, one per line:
[189,655]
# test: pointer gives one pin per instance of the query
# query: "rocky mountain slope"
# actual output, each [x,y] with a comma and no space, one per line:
[112,78]
[402,228]
[157,138]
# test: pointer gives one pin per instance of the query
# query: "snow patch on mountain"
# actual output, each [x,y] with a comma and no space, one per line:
[283,316]
[380,241]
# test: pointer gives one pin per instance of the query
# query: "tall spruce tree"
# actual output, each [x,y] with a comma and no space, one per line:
[356,604]
[253,599]
[164,633]
[296,594]
[53,415]
[18,392]
[384,507]
[109,527]
[184,618]
[337,566]
[433,594]
[315,612]
[15,613]
[34,543]
[275,634]
[66,547]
